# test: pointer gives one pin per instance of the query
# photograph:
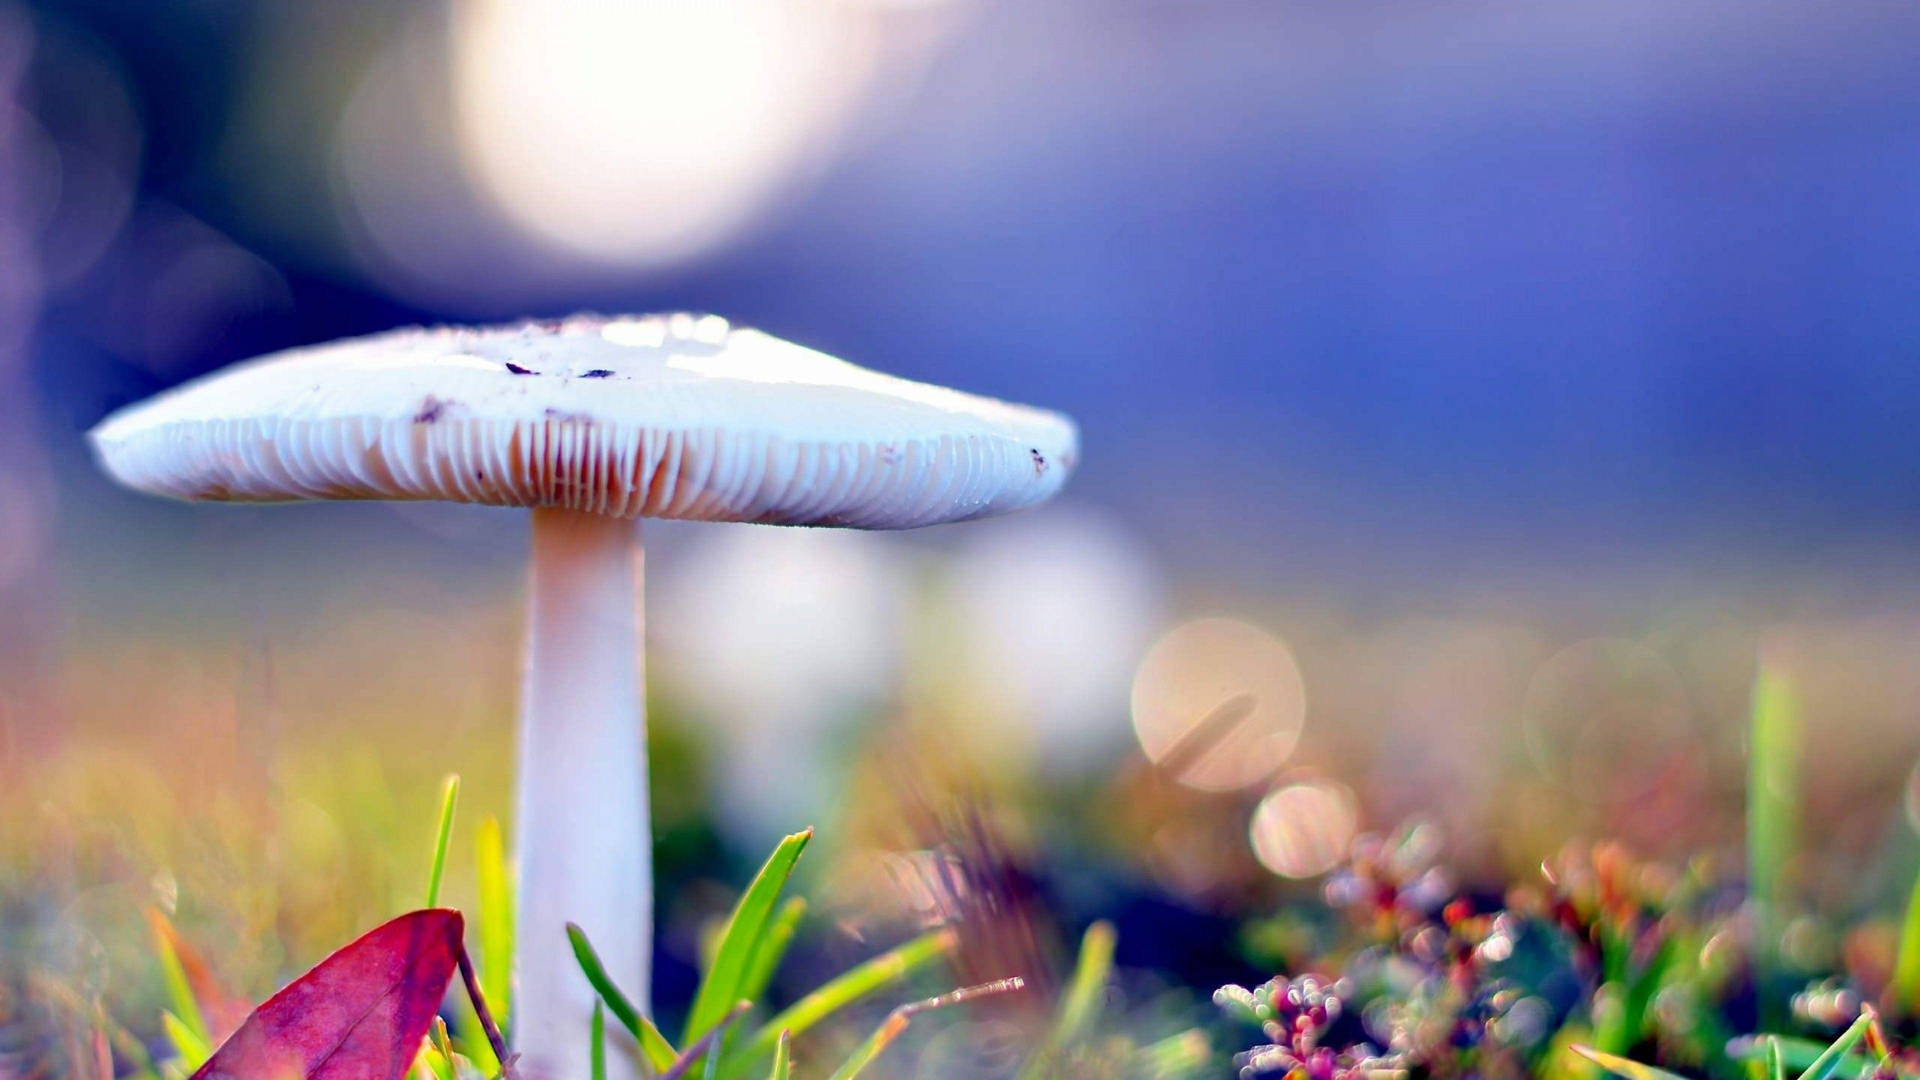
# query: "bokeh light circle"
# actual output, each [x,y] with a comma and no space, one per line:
[1218,704]
[1606,720]
[1304,829]
[648,130]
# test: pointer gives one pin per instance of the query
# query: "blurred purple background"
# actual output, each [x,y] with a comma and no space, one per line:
[1405,294]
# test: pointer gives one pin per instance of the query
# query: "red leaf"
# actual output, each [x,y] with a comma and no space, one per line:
[359,1015]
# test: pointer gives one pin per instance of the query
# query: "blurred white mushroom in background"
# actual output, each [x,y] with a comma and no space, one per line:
[781,640]
[1053,609]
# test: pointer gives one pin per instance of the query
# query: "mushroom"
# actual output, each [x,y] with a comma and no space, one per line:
[592,423]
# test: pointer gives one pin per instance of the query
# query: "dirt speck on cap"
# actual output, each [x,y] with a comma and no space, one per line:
[431,409]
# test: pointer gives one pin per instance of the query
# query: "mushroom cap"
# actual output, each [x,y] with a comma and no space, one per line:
[674,416]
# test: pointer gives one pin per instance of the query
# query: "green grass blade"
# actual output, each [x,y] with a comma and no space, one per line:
[1906,969]
[1795,1054]
[897,1020]
[1772,794]
[847,987]
[1177,1056]
[1875,1044]
[1776,1066]
[720,986]
[1829,1059]
[496,962]
[598,1048]
[1619,1066]
[444,1065]
[653,1045]
[1082,999]
[495,918]
[188,1044]
[782,1058]
[186,1008]
[772,948]
[1626,1026]
[868,1052]
[449,798]
[706,1047]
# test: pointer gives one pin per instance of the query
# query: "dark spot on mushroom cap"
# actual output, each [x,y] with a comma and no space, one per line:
[430,409]
[1039,460]
[598,373]
[518,370]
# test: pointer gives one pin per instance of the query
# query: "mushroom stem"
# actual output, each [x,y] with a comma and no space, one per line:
[584,841]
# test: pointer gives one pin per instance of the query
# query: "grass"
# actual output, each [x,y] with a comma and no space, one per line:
[1829,1059]
[494,917]
[749,946]
[755,937]
[896,1022]
[725,981]
[1786,1054]
[184,1021]
[782,1068]
[1619,1066]
[855,984]
[1821,1062]
[654,1046]
[1081,1003]
[1669,967]
[442,837]
[1649,969]
[1772,809]
[1644,949]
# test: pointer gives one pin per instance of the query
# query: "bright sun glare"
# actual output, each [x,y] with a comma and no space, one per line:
[647,131]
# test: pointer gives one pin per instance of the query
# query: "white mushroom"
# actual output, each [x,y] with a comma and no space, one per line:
[592,422]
